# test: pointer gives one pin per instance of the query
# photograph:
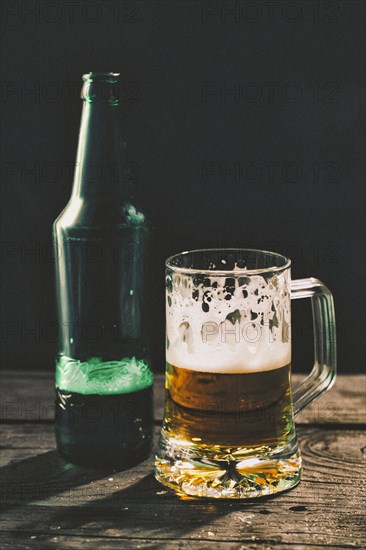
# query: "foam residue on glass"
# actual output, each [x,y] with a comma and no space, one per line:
[228,323]
[103,377]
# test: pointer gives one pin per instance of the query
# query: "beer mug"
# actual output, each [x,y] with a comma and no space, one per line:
[229,429]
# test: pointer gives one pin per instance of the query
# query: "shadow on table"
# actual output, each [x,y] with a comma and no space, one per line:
[146,509]
[128,503]
[38,478]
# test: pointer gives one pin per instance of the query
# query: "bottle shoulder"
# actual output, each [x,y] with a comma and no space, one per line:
[109,213]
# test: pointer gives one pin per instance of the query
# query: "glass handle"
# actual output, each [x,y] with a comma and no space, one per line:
[323,373]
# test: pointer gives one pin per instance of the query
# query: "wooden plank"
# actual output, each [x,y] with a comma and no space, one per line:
[26,396]
[25,541]
[56,502]
[29,397]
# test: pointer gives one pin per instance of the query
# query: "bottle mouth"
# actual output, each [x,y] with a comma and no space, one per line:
[101,77]
[101,87]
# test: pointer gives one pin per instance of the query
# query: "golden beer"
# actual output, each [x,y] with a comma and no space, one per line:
[228,418]
[229,410]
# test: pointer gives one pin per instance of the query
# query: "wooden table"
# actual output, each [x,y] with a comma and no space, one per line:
[48,503]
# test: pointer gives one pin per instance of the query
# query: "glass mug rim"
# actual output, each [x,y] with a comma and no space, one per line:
[285,262]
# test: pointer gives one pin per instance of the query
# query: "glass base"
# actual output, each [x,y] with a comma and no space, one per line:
[226,473]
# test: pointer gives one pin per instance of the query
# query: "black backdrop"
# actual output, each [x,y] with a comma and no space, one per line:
[245,122]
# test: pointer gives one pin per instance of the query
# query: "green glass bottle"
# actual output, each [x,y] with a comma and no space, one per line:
[104,413]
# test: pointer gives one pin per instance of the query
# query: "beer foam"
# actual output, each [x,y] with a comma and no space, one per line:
[102,377]
[228,324]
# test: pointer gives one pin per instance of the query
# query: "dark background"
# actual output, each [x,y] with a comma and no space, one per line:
[293,130]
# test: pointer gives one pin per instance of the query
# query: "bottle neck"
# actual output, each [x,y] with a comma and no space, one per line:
[99,165]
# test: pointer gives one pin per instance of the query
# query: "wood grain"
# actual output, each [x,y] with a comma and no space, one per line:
[44,497]
[25,541]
